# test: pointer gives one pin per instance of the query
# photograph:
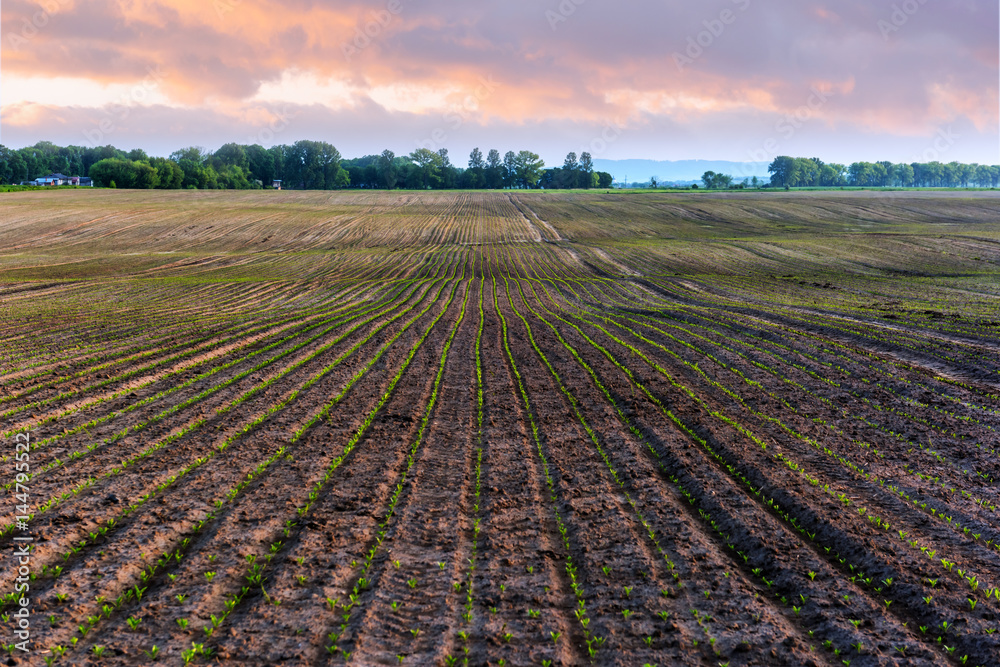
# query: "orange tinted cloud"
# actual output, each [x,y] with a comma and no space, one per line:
[514,64]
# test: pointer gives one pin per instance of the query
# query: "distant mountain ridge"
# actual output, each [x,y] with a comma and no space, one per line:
[684,171]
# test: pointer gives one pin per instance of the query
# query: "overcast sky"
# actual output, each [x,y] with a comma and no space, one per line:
[740,80]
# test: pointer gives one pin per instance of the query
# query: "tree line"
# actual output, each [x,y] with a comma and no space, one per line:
[812,172]
[305,165]
[317,165]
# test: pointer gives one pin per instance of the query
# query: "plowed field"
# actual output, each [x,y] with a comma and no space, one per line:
[501,428]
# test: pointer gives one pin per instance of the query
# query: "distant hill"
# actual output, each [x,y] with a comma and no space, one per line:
[680,171]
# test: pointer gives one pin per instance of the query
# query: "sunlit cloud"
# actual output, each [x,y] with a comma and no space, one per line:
[508,65]
[58,90]
[304,88]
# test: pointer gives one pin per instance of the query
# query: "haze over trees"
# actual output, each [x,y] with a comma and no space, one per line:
[317,165]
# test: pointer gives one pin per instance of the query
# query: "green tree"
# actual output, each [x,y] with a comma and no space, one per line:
[510,169]
[428,162]
[312,165]
[447,174]
[965,174]
[231,155]
[586,170]
[569,175]
[475,175]
[260,163]
[807,172]
[831,175]
[193,153]
[494,170]
[387,169]
[714,181]
[112,170]
[861,174]
[476,160]
[528,168]
[195,174]
[136,174]
[12,166]
[784,171]
[879,174]
[903,175]
[169,175]
[144,175]
[983,176]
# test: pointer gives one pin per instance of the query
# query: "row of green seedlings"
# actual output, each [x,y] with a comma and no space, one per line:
[895,378]
[22,352]
[384,527]
[877,521]
[860,471]
[147,575]
[173,437]
[124,356]
[325,410]
[626,421]
[963,530]
[726,537]
[926,506]
[730,467]
[256,574]
[469,600]
[175,408]
[169,558]
[397,316]
[118,354]
[230,495]
[857,577]
[918,345]
[575,405]
[189,348]
[978,501]
[770,309]
[948,520]
[866,445]
[103,531]
[592,641]
[634,430]
[823,344]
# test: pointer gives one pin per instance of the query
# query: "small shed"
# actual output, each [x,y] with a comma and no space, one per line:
[276,184]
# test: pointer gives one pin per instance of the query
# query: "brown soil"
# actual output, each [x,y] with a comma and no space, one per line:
[724,448]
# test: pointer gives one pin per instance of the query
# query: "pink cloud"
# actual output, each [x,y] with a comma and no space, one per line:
[599,63]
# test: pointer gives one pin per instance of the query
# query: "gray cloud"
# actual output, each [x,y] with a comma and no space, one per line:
[937,67]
